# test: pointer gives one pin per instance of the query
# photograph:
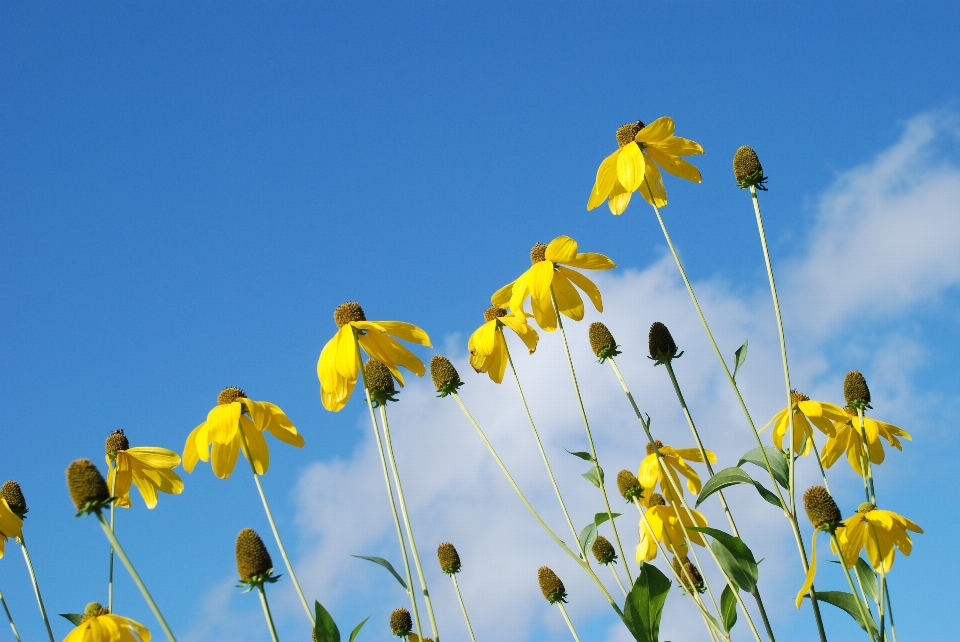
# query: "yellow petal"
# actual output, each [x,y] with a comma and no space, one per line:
[10,524]
[630,167]
[619,199]
[223,458]
[501,298]
[811,571]
[657,132]
[155,457]
[497,362]
[561,250]
[677,146]
[401,330]
[222,422]
[524,330]
[606,179]
[484,340]
[146,487]
[652,188]
[591,261]
[258,453]
[544,313]
[541,278]
[568,299]
[385,348]
[280,426]
[348,355]
[676,166]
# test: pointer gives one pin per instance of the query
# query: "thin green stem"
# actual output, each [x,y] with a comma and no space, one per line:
[135,576]
[864,613]
[893,630]
[406,522]
[569,623]
[593,449]
[273,526]
[113,491]
[616,576]
[787,511]
[266,613]
[36,585]
[456,587]
[393,509]
[883,588]
[823,472]
[868,470]
[586,567]
[543,452]
[10,618]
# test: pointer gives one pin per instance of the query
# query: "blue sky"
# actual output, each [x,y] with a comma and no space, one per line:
[187,191]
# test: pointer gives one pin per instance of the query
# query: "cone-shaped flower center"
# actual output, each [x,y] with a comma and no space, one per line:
[493,312]
[657,499]
[866,507]
[400,622]
[253,558]
[116,442]
[229,395]
[538,253]
[85,483]
[745,163]
[820,506]
[660,342]
[626,133]
[94,609]
[650,449]
[628,485]
[442,372]
[600,338]
[551,586]
[797,397]
[378,376]
[348,313]
[855,388]
[603,550]
[449,558]
[12,492]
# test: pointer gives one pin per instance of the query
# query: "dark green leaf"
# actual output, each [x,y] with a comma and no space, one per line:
[734,556]
[581,455]
[600,518]
[644,605]
[739,357]
[75,618]
[778,463]
[325,628]
[728,608]
[729,477]
[847,602]
[587,537]
[353,634]
[593,478]
[385,564]
[869,580]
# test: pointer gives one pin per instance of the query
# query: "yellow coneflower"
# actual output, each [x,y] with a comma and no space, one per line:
[881,532]
[147,468]
[806,413]
[675,461]
[665,527]
[100,625]
[10,524]
[848,438]
[488,346]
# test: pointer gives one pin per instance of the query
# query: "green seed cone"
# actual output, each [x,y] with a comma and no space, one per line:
[449,558]
[348,312]
[821,508]
[86,484]
[92,610]
[15,500]
[629,485]
[400,622]
[116,442]
[551,586]
[855,389]
[603,550]
[662,346]
[866,507]
[253,558]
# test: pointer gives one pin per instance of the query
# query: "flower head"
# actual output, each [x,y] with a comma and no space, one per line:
[236,424]
[806,413]
[488,345]
[675,461]
[635,165]
[848,437]
[400,622]
[688,572]
[663,349]
[445,376]
[551,586]
[379,383]
[602,343]
[99,625]
[449,558]
[12,492]
[339,364]
[662,524]
[603,551]
[747,169]
[629,486]
[548,280]
[88,489]
[821,508]
[254,565]
[149,469]
[881,532]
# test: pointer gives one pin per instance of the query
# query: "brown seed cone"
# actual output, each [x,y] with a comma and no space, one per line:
[629,485]
[656,499]
[855,389]
[661,343]
[12,492]
[449,558]
[685,567]
[745,163]
[229,395]
[253,558]
[797,397]
[493,312]
[378,376]
[627,133]
[443,372]
[551,586]
[538,253]
[821,509]
[85,483]
[348,312]
[603,550]
[116,442]
[600,338]
[650,449]
[400,622]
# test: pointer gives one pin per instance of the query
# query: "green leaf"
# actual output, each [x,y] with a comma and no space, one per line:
[385,564]
[593,478]
[729,477]
[325,628]
[869,580]
[587,537]
[582,455]
[356,630]
[728,608]
[600,518]
[734,556]
[644,605]
[781,471]
[75,618]
[739,357]
[847,602]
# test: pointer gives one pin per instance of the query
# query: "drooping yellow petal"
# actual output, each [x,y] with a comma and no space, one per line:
[540,280]
[569,302]
[523,330]
[484,339]
[619,199]
[280,426]
[223,457]
[692,454]
[401,330]
[606,179]
[385,348]
[630,167]
[656,132]
[497,361]
[155,457]
[677,146]
[585,284]
[258,453]
[501,298]
[144,484]
[10,524]
[652,188]
[562,249]
[334,388]
[544,313]
[811,570]
[222,422]
[675,165]
[591,261]
[348,354]
[647,546]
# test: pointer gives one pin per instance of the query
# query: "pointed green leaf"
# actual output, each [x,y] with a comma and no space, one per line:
[729,477]
[353,634]
[781,471]
[734,556]
[600,518]
[75,618]
[582,455]
[739,357]
[644,605]
[847,602]
[325,629]
[587,537]
[593,478]
[728,608]
[385,564]
[869,580]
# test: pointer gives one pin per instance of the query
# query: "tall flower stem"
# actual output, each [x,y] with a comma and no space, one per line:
[788,512]
[543,453]
[113,491]
[9,618]
[586,567]
[593,449]
[867,468]
[136,576]
[616,576]
[393,507]
[273,526]
[823,472]
[864,612]
[883,588]
[893,630]
[783,343]
[406,522]
[266,613]
[569,623]
[456,587]
[36,585]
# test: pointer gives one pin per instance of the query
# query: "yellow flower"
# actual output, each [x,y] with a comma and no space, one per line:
[848,438]
[10,524]
[339,364]
[488,346]
[634,165]
[149,469]
[674,460]
[805,412]
[879,531]
[219,440]
[665,527]
[547,277]
[99,625]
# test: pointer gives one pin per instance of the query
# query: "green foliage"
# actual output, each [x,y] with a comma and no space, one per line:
[734,556]
[593,477]
[644,604]
[847,602]
[739,357]
[325,628]
[385,564]
[730,477]
[728,608]
[778,465]
[75,618]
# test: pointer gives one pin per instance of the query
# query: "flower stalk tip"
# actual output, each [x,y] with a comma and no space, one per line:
[602,342]
[855,390]
[747,169]
[12,492]
[445,376]
[87,487]
[629,486]
[400,622]
[449,558]
[551,586]
[663,349]
[379,382]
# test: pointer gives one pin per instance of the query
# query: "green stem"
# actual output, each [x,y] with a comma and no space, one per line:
[593,450]
[36,585]
[10,618]
[853,590]
[543,452]
[456,587]
[616,576]
[273,526]
[586,567]
[569,623]
[113,491]
[266,613]
[788,513]
[823,472]
[136,577]
[868,470]
[883,588]
[406,522]
[893,630]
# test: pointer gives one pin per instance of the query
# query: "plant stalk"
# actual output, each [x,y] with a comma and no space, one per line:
[456,587]
[9,618]
[864,613]
[569,623]
[36,585]
[266,613]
